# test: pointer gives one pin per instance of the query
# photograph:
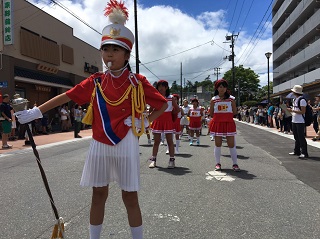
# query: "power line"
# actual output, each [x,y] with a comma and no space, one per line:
[233,15]
[246,16]
[30,17]
[163,58]
[74,15]
[254,35]
[258,39]
[239,14]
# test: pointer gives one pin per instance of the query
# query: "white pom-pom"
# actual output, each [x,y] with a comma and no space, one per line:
[117,17]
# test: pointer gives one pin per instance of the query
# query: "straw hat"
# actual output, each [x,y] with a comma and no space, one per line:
[116,33]
[297,89]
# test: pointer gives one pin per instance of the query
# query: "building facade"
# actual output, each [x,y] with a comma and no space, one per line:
[39,55]
[296,46]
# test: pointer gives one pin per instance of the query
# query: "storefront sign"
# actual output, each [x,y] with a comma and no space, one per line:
[43,88]
[7,22]
[48,69]
[3,84]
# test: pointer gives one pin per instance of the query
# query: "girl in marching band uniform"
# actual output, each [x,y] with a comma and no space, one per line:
[115,98]
[222,110]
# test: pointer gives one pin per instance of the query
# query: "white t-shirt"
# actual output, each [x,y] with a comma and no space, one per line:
[64,117]
[298,118]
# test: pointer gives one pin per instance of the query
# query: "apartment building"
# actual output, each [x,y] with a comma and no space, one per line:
[296,46]
[39,55]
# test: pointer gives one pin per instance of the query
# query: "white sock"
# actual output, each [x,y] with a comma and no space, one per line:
[234,156]
[137,232]
[177,144]
[95,231]
[217,154]
[162,137]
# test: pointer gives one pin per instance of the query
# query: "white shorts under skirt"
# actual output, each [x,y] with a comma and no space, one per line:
[184,121]
[119,163]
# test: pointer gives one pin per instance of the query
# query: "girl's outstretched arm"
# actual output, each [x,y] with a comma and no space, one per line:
[54,102]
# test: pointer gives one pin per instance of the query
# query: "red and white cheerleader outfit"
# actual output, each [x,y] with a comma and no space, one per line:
[164,123]
[222,123]
[195,118]
[176,123]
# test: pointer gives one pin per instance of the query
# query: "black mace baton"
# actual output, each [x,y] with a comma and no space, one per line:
[43,174]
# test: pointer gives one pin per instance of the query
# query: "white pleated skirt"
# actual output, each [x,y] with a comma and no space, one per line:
[119,163]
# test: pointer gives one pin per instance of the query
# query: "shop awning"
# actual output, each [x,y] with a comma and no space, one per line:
[52,80]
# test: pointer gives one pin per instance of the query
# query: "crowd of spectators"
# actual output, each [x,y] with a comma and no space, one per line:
[273,116]
[63,121]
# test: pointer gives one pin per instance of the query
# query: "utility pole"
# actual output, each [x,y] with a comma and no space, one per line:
[180,83]
[217,72]
[184,86]
[231,58]
[136,36]
[238,91]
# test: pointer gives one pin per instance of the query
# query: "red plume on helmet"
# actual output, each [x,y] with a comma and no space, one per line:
[116,33]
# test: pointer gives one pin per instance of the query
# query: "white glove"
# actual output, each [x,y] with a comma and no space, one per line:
[27,116]
[137,122]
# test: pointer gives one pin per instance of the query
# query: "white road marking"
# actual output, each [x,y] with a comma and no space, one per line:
[220,176]
[168,216]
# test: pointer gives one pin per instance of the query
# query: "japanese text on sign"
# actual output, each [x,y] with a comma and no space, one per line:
[7,22]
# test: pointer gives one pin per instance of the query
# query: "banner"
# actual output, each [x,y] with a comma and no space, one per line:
[7,22]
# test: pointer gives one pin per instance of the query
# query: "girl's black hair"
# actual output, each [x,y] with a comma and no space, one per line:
[226,94]
[128,66]
[165,84]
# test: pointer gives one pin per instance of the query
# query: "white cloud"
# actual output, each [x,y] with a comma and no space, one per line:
[165,31]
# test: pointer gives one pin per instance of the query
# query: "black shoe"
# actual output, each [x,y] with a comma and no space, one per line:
[314,139]
[78,136]
[27,142]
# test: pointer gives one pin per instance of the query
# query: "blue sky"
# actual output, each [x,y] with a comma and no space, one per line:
[182,32]
[240,13]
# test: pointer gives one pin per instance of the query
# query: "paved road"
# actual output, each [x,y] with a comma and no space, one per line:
[274,196]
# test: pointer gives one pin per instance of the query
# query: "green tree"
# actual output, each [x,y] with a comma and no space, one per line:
[246,83]
[262,94]
[175,88]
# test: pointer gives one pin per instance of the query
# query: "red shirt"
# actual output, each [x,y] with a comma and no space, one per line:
[113,89]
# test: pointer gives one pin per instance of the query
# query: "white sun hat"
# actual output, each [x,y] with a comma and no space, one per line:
[297,89]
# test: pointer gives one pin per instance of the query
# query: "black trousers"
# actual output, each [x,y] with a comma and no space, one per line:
[300,145]
[77,127]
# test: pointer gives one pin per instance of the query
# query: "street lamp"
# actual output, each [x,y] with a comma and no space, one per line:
[268,54]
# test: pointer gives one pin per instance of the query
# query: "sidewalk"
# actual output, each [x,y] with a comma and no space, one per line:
[42,140]
[310,133]
[58,137]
